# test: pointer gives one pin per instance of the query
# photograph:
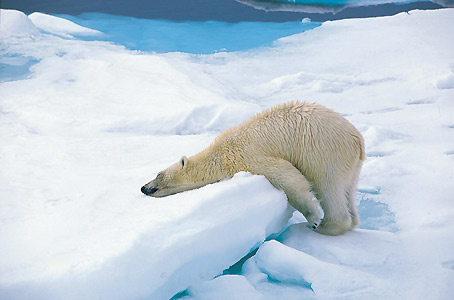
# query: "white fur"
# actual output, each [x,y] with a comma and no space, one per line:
[304,149]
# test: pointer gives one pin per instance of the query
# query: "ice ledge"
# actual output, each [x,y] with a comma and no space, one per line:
[208,230]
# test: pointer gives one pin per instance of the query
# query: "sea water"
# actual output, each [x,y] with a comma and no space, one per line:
[197,37]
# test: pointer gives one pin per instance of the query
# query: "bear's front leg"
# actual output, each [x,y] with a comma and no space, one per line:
[284,176]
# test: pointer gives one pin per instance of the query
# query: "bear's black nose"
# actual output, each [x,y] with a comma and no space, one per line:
[147,191]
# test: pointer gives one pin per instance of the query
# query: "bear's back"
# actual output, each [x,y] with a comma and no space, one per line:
[310,136]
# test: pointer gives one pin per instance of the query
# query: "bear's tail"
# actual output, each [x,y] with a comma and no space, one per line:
[359,141]
[362,151]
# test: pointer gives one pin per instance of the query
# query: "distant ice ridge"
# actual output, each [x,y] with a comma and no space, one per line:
[324,6]
[337,2]
[61,27]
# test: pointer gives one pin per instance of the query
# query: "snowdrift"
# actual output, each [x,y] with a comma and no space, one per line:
[16,23]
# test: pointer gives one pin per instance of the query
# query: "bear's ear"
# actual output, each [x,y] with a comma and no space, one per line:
[184,162]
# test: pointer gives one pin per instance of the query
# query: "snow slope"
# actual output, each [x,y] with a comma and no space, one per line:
[84,123]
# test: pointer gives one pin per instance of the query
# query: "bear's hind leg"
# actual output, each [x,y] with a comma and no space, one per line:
[284,176]
[337,218]
[351,197]
[350,193]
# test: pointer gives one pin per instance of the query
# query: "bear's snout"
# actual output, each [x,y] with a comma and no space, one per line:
[144,190]
[148,191]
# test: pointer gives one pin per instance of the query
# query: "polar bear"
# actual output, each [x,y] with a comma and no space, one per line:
[308,151]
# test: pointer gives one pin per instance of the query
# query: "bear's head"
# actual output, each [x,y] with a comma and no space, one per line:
[174,179]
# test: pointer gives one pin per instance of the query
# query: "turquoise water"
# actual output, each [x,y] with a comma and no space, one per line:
[15,67]
[198,37]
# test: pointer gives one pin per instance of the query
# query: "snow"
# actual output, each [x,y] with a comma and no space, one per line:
[85,122]
[288,265]
[233,287]
[16,23]
[161,250]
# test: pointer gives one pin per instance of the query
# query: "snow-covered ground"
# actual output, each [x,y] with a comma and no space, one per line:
[85,123]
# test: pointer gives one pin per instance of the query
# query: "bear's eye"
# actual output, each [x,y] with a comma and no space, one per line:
[159,176]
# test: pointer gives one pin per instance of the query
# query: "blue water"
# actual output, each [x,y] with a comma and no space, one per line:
[197,37]
[373,213]
[15,67]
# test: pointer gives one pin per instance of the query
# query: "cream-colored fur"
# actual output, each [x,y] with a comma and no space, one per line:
[304,149]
